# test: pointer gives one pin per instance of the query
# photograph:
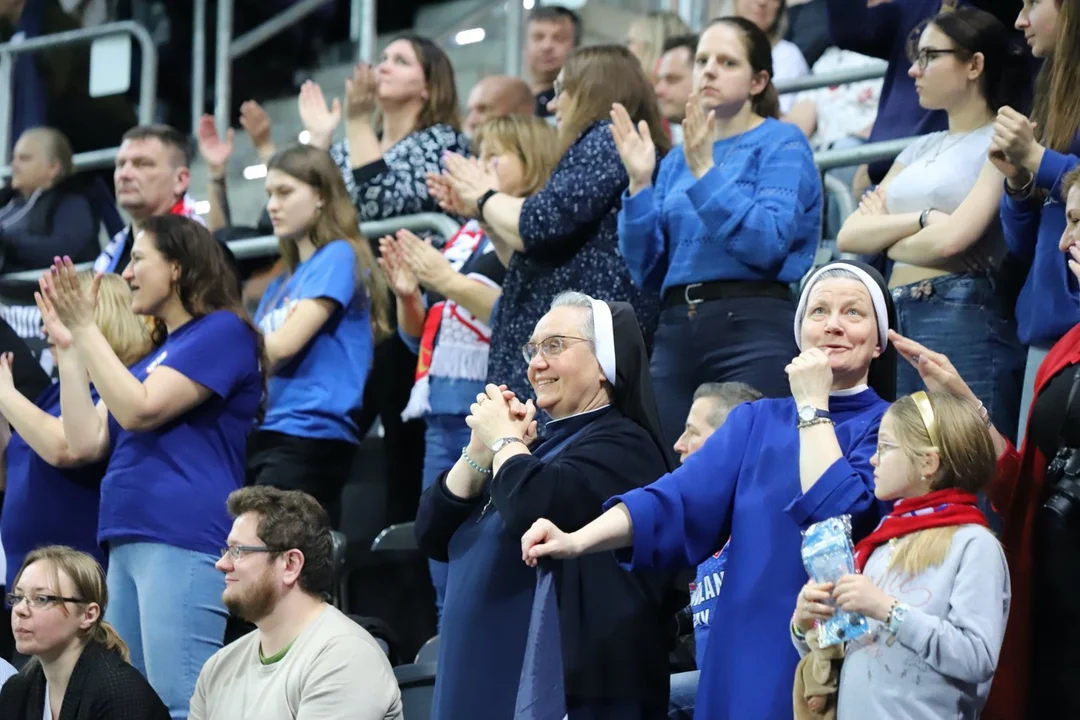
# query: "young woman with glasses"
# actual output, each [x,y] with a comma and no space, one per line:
[79,667]
[936,213]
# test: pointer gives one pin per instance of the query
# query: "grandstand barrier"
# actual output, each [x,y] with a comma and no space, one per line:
[147,77]
[18,288]
[874,70]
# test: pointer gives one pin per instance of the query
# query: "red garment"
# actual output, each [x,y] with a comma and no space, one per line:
[941,508]
[1018,490]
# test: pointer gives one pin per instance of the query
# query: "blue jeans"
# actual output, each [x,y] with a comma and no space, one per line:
[747,340]
[165,602]
[443,440]
[683,695]
[961,317]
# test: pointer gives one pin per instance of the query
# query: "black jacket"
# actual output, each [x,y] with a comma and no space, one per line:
[102,687]
[61,221]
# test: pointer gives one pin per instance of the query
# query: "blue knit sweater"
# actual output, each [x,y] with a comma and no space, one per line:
[755,216]
[1049,304]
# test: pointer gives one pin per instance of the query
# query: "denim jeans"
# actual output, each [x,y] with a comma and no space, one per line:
[683,695]
[444,438]
[747,340]
[962,317]
[165,602]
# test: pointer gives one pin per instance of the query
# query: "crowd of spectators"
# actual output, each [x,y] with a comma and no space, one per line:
[612,401]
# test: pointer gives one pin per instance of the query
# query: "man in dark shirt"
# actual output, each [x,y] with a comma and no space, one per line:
[552,32]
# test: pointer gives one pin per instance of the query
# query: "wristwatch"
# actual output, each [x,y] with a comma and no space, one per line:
[503,442]
[896,617]
[809,412]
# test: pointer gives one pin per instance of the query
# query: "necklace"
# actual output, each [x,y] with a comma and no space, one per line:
[941,147]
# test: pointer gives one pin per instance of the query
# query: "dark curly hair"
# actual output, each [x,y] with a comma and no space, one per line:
[291,519]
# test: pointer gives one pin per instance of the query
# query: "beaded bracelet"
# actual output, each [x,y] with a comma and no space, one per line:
[816,421]
[472,463]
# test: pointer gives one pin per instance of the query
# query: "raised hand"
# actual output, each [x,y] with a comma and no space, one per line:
[698,137]
[635,146]
[429,265]
[439,187]
[810,376]
[55,331]
[360,96]
[1013,148]
[936,371]
[469,179]
[402,280]
[73,303]
[214,151]
[319,119]
[256,123]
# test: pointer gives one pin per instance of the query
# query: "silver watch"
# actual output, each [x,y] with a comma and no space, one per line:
[809,412]
[503,442]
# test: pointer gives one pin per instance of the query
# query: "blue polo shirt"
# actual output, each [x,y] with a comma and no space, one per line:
[45,505]
[169,485]
[315,393]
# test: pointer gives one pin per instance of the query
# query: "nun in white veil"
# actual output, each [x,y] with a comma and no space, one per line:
[588,365]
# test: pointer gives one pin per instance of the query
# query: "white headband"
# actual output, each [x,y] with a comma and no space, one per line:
[876,295]
[604,332]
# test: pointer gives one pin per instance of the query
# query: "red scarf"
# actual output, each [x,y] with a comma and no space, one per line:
[940,508]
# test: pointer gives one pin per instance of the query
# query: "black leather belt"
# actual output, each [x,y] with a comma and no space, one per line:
[696,293]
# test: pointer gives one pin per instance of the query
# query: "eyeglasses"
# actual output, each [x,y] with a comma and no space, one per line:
[235,552]
[37,600]
[884,447]
[557,88]
[925,55]
[549,347]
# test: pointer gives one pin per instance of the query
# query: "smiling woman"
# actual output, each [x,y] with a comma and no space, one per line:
[742,485]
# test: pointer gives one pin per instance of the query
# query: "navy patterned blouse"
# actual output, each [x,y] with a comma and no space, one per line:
[570,233]
[396,184]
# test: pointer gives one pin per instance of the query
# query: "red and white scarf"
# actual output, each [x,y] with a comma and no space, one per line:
[941,508]
[464,341]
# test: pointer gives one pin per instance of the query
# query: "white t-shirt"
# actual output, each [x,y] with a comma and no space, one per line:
[788,63]
[940,170]
[333,670]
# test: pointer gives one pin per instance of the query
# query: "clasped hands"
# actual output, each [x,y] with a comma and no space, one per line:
[498,413]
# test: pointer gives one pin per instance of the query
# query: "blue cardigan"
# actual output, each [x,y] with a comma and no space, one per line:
[1049,303]
[744,483]
[755,216]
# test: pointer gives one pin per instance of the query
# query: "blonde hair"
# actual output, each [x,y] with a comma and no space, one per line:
[967,462]
[127,334]
[88,584]
[1071,179]
[336,220]
[598,76]
[652,31]
[532,139]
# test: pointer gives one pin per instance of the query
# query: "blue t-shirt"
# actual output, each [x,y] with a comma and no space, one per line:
[314,394]
[703,593]
[169,485]
[44,505]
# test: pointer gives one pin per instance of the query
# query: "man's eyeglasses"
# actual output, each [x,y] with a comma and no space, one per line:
[235,552]
[925,55]
[37,600]
[549,347]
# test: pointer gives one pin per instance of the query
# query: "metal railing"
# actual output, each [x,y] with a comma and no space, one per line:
[227,48]
[267,246]
[874,70]
[147,77]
